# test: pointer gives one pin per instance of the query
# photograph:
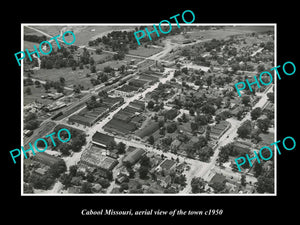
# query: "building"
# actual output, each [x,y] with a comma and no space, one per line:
[97,157]
[168,165]
[88,118]
[134,156]
[219,129]
[46,159]
[102,140]
[126,91]
[148,130]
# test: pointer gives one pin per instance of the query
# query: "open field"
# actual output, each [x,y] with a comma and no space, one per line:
[145,52]
[72,77]
[83,33]
[36,94]
[220,33]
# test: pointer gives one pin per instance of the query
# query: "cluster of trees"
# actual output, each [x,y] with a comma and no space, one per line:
[198,185]
[230,150]
[31,122]
[78,139]
[122,41]
[57,85]
[93,103]
[34,38]
[84,180]
[245,129]
[46,181]
[144,168]
[265,179]
[200,149]
[59,58]
[101,78]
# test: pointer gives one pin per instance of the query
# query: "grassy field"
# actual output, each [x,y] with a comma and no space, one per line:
[221,33]
[36,94]
[83,33]
[72,77]
[145,52]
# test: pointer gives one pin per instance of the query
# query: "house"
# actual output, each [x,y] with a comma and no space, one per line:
[164,181]
[102,140]
[74,190]
[242,147]
[40,171]
[175,144]
[96,188]
[168,165]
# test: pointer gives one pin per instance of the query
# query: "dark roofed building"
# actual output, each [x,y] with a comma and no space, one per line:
[168,164]
[148,130]
[134,156]
[46,159]
[101,139]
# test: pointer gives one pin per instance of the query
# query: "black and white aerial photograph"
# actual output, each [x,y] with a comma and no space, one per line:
[147,114]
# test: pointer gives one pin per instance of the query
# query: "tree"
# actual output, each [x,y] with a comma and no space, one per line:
[171,128]
[246,99]
[255,113]
[62,80]
[258,169]
[145,161]
[151,140]
[86,187]
[265,184]
[245,129]
[57,168]
[143,172]
[218,186]
[198,185]
[28,91]
[121,147]
[64,149]
[208,109]
[73,170]
[260,68]
[93,69]
[150,105]
[194,126]
[98,51]
[264,124]
[191,111]
[271,96]
[243,180]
